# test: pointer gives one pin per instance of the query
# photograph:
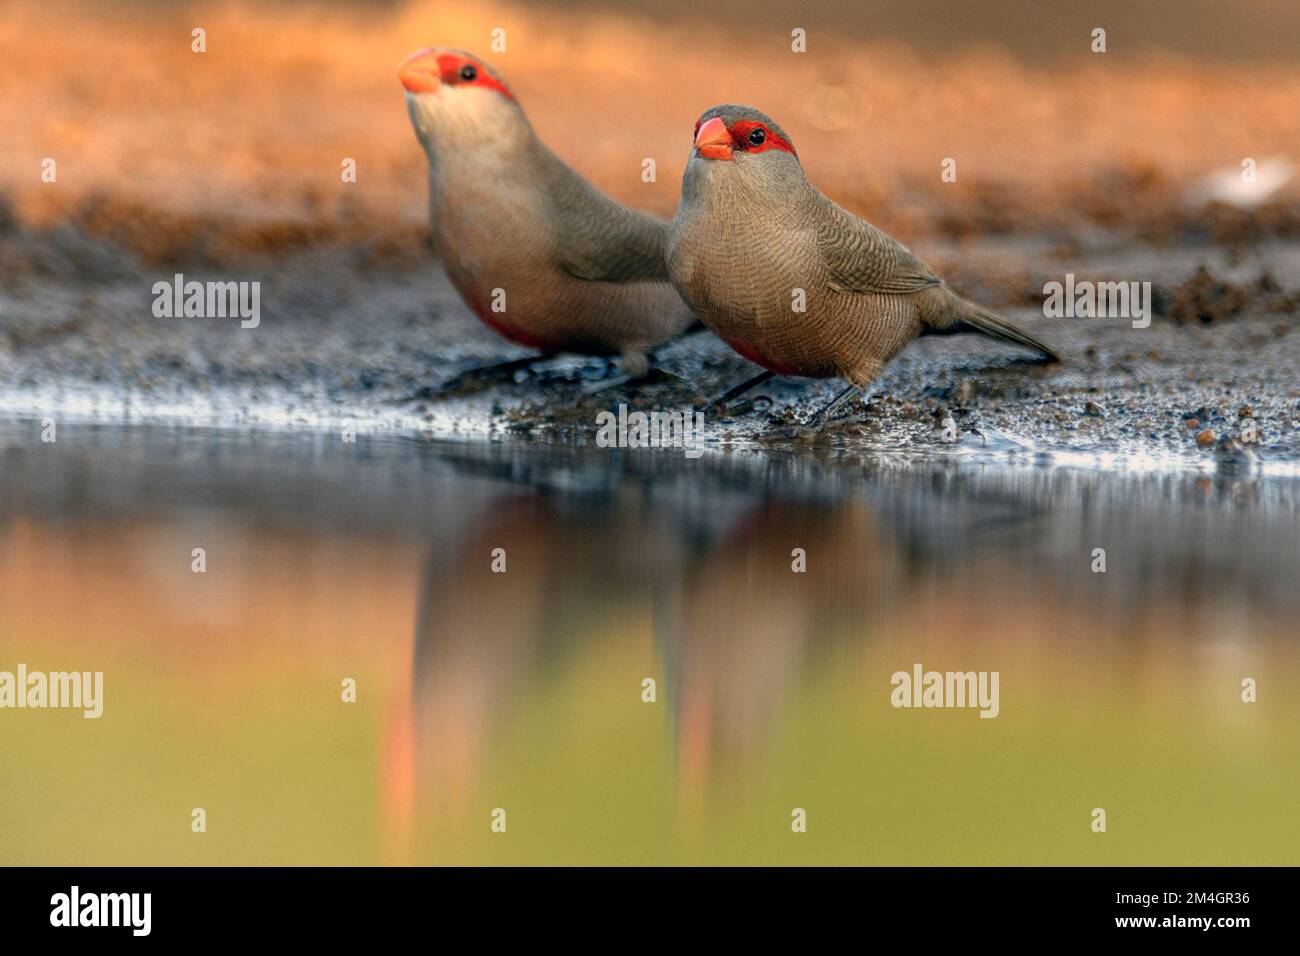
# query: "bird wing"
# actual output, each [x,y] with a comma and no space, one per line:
[600,240]
[861,258]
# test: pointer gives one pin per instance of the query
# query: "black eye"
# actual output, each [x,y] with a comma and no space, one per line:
[757,137]
[468,73]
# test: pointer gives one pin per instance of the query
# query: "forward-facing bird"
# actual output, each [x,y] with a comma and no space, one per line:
[536,252]
[790,280]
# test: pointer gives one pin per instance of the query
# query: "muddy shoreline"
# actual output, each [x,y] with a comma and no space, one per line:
[350,331]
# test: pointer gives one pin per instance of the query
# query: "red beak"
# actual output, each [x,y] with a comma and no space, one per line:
[420,72]
[713,140]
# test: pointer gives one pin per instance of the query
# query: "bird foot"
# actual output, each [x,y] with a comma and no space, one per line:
[651,376]
[720,402]
[814,425]
[726,410]
[759,403]
[472,380]
[617,381]
[714,406]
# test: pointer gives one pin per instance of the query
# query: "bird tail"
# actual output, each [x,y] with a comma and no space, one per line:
[948,313]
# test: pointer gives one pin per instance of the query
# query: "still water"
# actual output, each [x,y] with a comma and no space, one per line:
[524,690]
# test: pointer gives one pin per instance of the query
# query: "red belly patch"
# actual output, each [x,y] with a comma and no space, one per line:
[752,353]
[514,333]
[498,323]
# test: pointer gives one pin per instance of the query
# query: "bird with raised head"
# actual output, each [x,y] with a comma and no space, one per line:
[792,281]
[536,252]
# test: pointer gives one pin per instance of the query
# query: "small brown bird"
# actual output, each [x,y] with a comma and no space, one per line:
[535,251]
[790,280]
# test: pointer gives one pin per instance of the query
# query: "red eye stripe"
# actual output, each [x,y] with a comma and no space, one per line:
[449,67]
[741,129]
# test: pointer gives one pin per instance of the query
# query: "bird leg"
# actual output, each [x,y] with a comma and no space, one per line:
[636,368]
[636,364]
[819,420]
[483,373]
[722,401]
[495,370]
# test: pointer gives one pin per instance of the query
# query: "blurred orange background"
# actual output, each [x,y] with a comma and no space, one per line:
[1045,132]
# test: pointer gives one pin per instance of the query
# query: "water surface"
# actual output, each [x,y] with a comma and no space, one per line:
[523,690]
